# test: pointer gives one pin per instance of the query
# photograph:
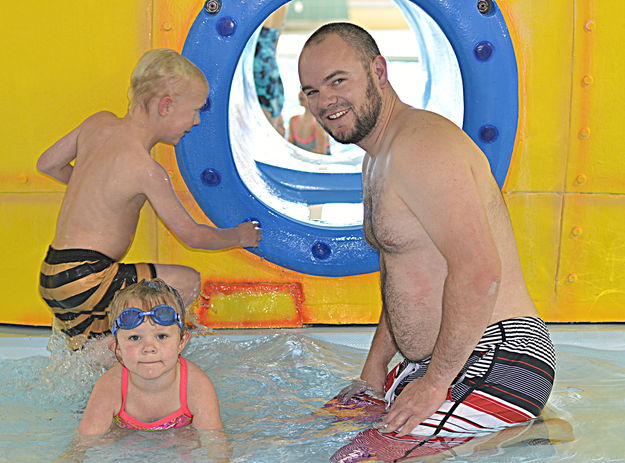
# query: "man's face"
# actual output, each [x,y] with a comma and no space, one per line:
[341,92]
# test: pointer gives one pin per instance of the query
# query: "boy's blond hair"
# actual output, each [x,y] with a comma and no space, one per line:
[159,72]
[151,293]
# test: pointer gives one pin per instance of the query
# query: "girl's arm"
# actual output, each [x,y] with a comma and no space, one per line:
[322,140]
[202,399]
[103,402]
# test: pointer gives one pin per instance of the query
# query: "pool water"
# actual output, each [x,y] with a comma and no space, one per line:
[272,385]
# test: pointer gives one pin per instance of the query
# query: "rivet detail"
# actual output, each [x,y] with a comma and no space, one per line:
[587,81]
[584,132]
[576,231]
[581,179]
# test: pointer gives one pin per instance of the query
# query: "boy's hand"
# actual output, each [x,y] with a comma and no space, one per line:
[249,234]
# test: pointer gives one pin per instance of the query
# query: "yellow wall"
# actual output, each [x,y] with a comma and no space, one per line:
[67,59]
[63,61]
[567,179]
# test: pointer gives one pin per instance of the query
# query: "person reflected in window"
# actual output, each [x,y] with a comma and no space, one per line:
[305,131]
[269,87]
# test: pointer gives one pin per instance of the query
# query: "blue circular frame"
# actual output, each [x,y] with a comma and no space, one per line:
[215,43]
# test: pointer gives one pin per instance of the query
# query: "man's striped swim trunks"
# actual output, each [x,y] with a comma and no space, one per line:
[507,380]
[79,284]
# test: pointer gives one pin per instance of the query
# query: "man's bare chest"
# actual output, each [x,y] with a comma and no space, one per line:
[390,226]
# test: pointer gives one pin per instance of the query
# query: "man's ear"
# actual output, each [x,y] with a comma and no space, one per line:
[378,65]
[165,104]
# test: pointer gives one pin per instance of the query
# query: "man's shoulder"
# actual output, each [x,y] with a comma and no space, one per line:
[425,142]
[424,123]
[419,130]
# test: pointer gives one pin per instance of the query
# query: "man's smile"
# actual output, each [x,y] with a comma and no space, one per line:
[338,114]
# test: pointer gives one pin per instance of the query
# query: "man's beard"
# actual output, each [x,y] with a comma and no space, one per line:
[366,121]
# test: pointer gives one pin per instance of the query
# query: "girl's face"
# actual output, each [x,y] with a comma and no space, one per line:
[150,350]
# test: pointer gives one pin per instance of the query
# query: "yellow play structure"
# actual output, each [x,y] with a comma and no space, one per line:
[565,186]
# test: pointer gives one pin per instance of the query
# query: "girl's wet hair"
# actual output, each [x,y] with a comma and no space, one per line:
[158,72]
[150,293]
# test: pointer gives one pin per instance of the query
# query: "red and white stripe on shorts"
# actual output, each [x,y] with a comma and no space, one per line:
[507,380]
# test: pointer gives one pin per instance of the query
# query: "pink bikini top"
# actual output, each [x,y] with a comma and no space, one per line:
[304,141]
[178,419]
[309,144]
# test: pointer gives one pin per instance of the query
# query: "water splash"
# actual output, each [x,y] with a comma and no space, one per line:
[272,388]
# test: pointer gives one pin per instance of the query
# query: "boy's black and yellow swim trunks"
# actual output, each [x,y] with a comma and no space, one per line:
[79,284]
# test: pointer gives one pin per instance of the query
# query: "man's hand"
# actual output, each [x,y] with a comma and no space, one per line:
[249,234]
[417,402]
[358,386]
[374,374]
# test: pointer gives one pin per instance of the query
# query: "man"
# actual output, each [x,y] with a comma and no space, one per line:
[455,304]
[110,174]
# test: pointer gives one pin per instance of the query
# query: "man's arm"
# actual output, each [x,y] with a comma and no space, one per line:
[440,189]
[156,185]
[374,371]
[381,352]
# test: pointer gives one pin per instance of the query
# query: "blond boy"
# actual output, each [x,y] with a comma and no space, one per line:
[110,180]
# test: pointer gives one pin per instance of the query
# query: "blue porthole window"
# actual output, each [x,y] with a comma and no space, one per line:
[229,181]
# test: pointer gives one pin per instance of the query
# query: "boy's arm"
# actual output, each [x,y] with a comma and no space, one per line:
[156,185]
[98,415]
[55,161]
[202,399]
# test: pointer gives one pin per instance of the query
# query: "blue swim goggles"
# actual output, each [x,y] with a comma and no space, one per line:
[132,317]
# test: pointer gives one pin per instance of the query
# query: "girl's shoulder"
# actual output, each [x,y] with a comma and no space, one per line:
[106,394]
[199,385]
[115,372]
[195,373]
[202,399]
[109,384]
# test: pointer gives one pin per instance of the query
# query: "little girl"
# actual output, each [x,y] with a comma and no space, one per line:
[153,387]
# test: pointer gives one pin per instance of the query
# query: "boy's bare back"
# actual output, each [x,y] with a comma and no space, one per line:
[104,196]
